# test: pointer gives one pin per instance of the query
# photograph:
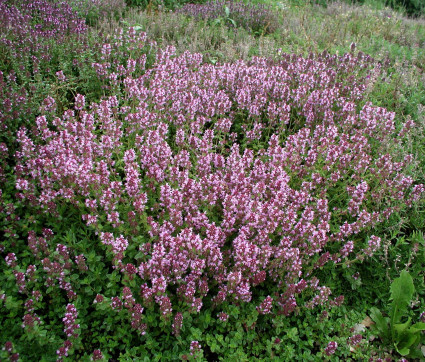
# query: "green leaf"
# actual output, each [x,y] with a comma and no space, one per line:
[401,241]
[381,323]
[406,344]
[401,327]
[293,334]
[11,303]
[418,237]
[403,351]
[418,327]
[227,11]
[402,289]
[232,21]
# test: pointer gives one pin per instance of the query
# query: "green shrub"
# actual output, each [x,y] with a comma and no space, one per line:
[412,7]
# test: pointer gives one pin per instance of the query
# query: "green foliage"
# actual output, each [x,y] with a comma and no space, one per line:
[412,7]
[94,11]
[143,4]
[397,328]
[150,5]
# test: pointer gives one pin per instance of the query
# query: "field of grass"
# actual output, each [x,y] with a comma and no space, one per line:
[212,181]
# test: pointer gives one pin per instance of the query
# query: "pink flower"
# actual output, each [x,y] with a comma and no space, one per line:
[97,355]
[61,76]
[331,348]
[223,316]
[177,323]
[195,347]
[266,305]
[80,102]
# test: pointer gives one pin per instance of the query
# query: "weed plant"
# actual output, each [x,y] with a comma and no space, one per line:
[94,11]
[260,19]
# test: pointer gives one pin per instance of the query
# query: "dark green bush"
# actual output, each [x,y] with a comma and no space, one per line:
[412,7]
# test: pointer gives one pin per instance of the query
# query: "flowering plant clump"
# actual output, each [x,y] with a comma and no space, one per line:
[31,29]
[198,190]
[36,39]
[256,17]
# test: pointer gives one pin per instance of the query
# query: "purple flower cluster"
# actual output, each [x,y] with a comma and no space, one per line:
[355,340]
[9,349]
[331,348]
[255,17]
[302,183]
[97,355]
[177,323]
[266,305]
[195,347]
[71,330]
[223,316]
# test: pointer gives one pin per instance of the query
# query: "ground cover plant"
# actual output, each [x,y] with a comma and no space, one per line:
[181,207]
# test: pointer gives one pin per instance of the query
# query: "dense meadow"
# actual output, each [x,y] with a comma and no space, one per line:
[212,181]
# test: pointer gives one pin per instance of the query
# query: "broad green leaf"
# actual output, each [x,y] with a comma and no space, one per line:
[381,323]
[401,327]
[402,289]
[408,341]
[417,327]
[403,351]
